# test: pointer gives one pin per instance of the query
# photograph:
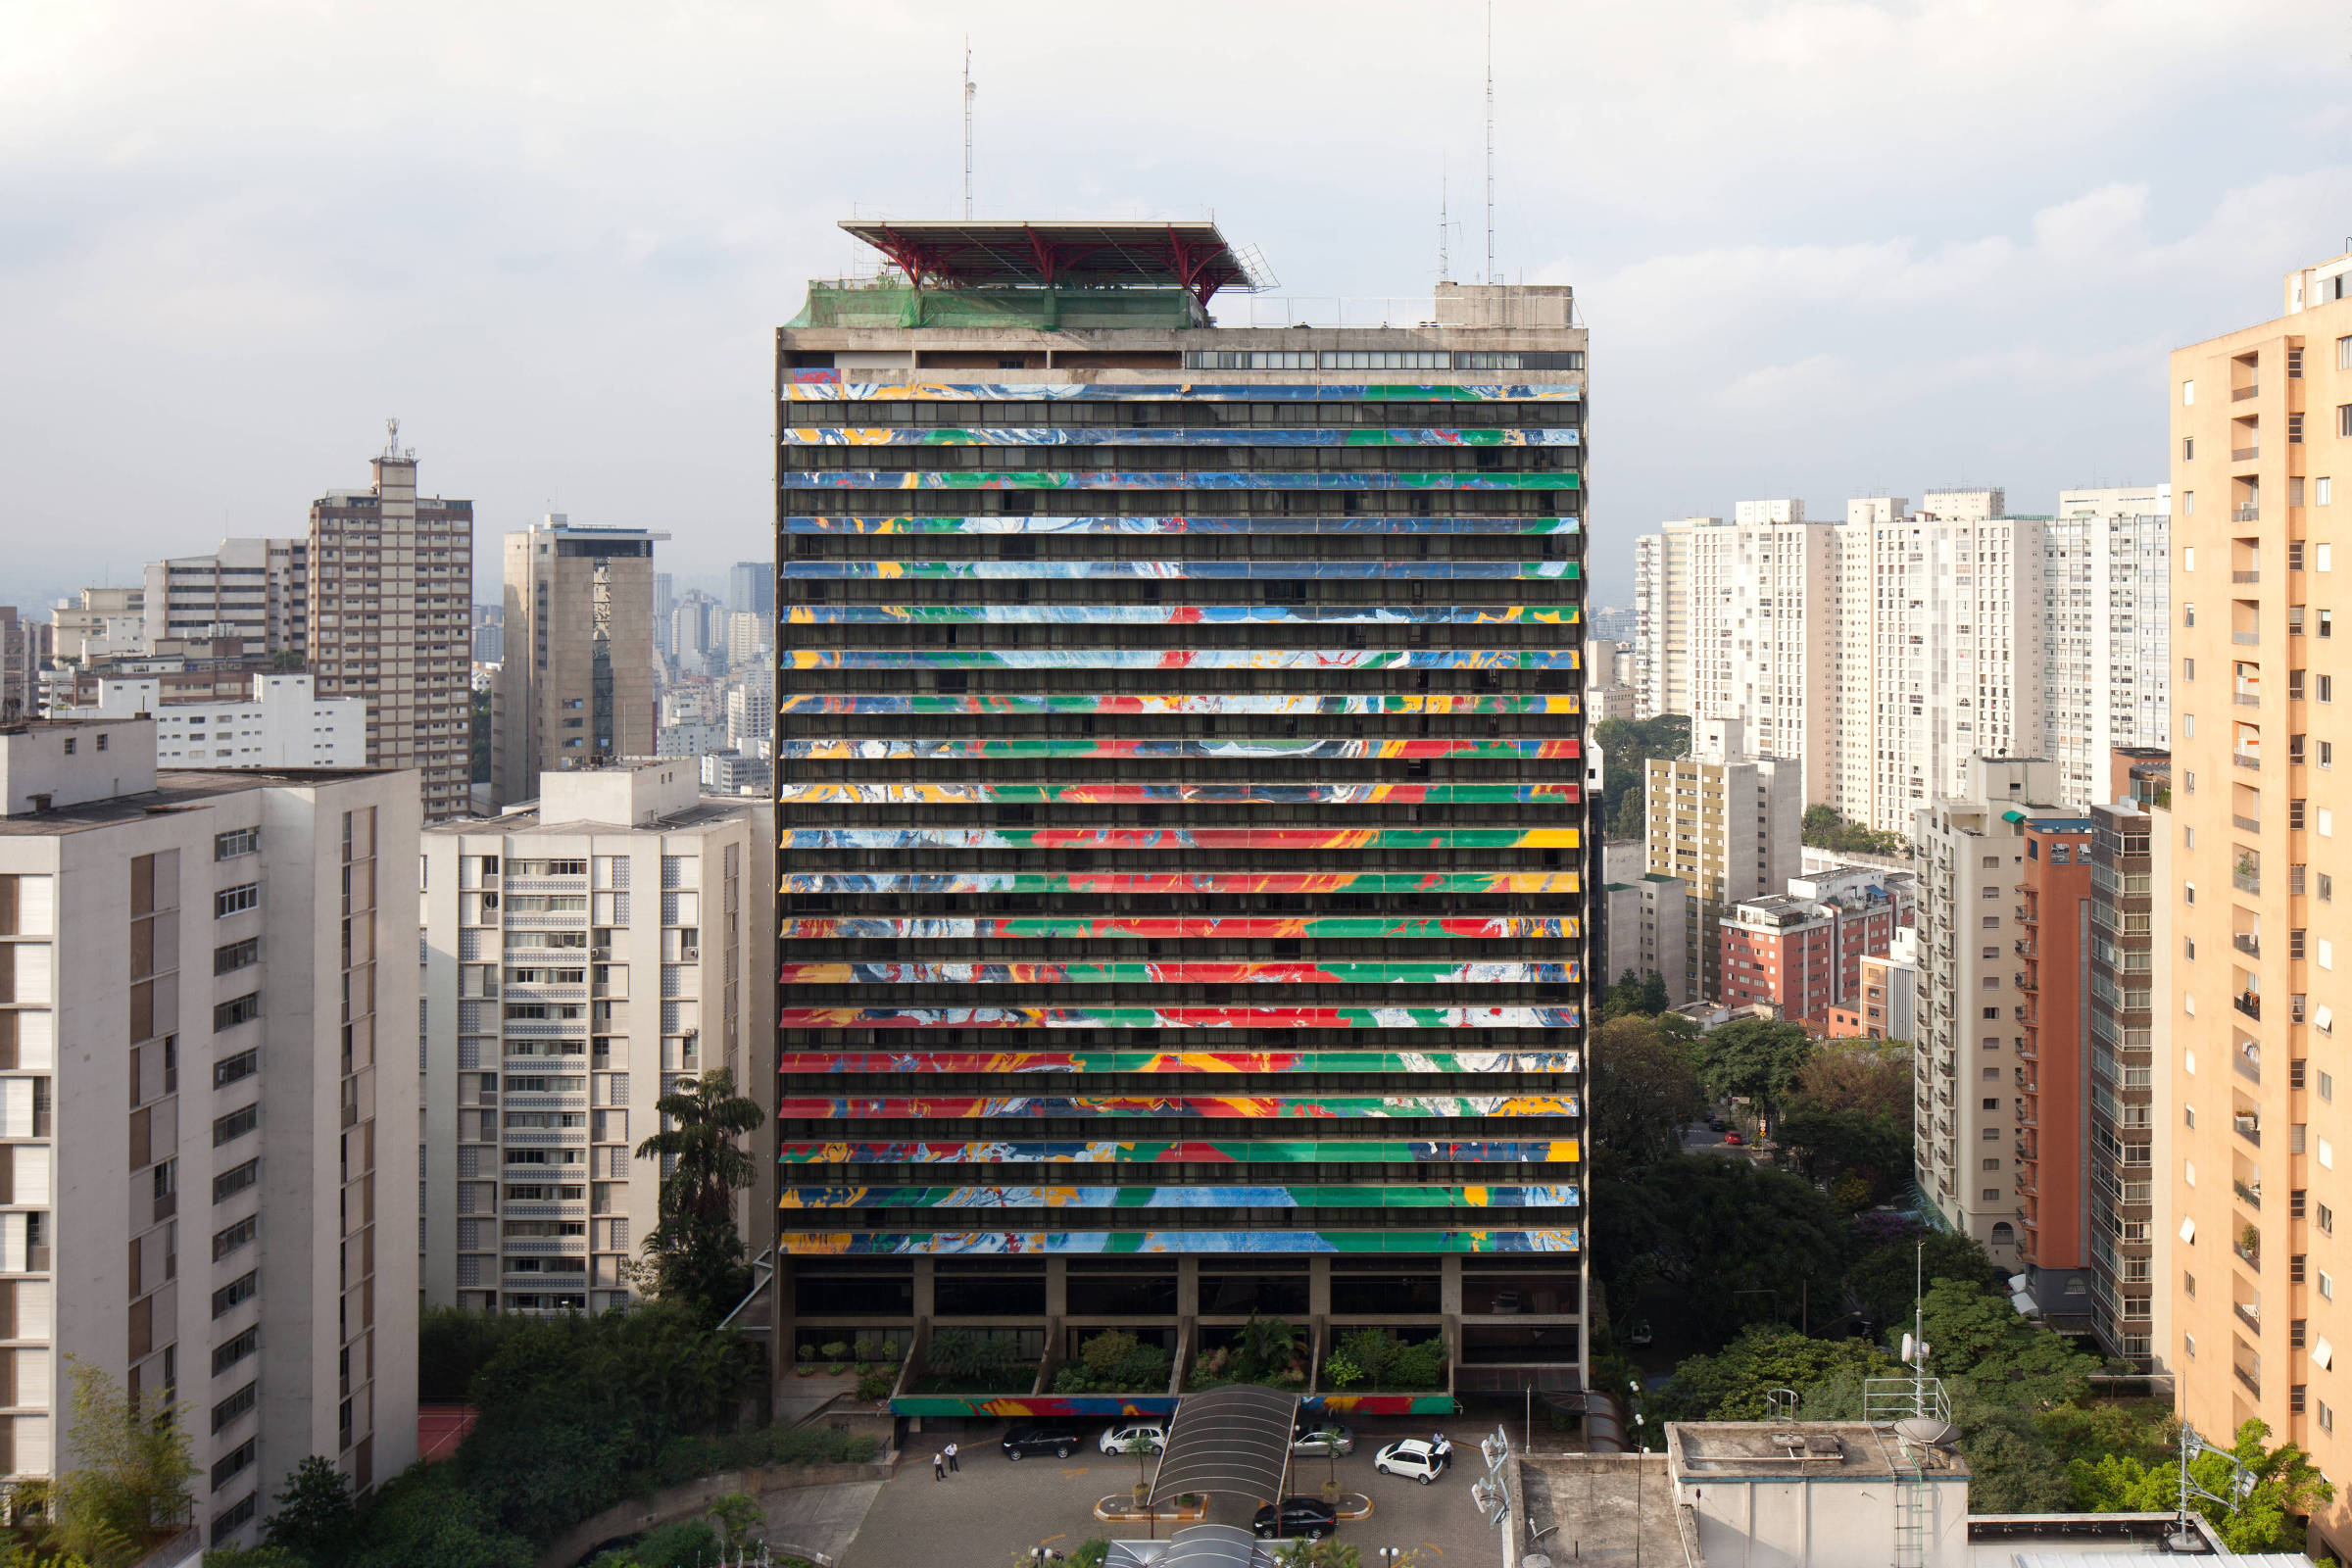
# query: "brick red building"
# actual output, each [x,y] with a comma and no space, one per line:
[1801,951]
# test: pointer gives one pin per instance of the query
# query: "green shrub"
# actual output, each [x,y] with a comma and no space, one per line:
[1112,1363]
[875,1383]
[835,1350]
[682,1545]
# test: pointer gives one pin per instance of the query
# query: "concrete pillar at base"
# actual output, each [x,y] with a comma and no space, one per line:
[1188,1288]
[1058,1288]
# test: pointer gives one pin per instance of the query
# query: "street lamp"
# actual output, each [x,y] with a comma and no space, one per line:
[1389,1556]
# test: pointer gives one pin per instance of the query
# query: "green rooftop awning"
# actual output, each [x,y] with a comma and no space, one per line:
[2013,816]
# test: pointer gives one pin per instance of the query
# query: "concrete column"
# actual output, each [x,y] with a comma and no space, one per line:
[1188,1288]
[923,1293]
[1318,1286]
[1450,1285]
[1057,1286]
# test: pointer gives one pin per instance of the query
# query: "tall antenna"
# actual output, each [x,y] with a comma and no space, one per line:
[968,91]
[1444,266]
[1489,141]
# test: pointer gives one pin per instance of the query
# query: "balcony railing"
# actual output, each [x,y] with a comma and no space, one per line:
[2249,1128]
[2253,1384]
[2248,1314]
[2025,982]
[2246,699]
[2239,394]
[2247,1068]
[2252,514]
[2246,577]
[2248,943]
[2245,453]
[2246,639]
[2246,824]
[2251,1194]
[2251,1256]
[2248,1003]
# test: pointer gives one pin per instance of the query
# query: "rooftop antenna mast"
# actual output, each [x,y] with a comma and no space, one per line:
[968,91]
[1444,266]
[1489,141]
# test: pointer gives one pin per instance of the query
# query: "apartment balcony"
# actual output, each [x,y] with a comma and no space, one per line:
[2246,639]
[2248,1126]
[2246,699]
[2251,761]
[2027,947]
[2025,981]
[2245,576]
[2251,1256]
[2239,394]
[537,1101]
[2248,943]
[2250,1193]
[519,1208]
[2247,1067]
[2253,1382]
[2248,1313]
[531,993]
[2245,454]
[2248,1003]
[2246,824]
[2252,514]
[546,1246]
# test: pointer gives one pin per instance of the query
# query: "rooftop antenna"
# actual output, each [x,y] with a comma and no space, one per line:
[1489,141]
[968,91]
[391,438]
[1444,266]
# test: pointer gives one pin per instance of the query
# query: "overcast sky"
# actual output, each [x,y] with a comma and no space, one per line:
[1825,249]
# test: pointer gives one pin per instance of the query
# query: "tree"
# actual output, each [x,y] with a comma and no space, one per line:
[314,1517]
[2010,1466]
[1828,1144]
[2286,1486]
[696,1255]
[1886,1279]
[740,1521]
[1731,1385]
[1826,828]
[1721,1235]
[130,1487]
[1755,1059]
[1642,1089]
[1980,1339]
[1870,1076]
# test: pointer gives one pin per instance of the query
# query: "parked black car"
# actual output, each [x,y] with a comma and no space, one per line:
[1310,1517]
[1022,1442]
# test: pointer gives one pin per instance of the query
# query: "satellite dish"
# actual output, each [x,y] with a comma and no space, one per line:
[1906,1356]
[1927,1432]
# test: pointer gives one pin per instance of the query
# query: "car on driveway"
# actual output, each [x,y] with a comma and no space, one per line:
[1119,1440]
[1310,1518]
[1022,1442]
[1734,1139]
[1413,1457]
[1321,1438]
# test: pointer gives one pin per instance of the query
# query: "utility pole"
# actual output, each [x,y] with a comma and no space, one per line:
[970,90]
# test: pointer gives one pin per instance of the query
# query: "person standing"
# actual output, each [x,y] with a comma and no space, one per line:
[952,1464]
[1441,1449]
[939,1467]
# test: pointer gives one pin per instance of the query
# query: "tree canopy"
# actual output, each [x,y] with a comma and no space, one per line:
[1756,1058]
[1629,743]
[2286,1485]
[1828,828]
[1731,1385]
[1726,1234]
[1643,1089]
[695,1253]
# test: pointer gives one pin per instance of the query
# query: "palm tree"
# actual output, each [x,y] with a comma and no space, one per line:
[695,1253]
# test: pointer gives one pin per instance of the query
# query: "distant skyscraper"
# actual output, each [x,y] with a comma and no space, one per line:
[752,588]
[578,685]
[665,600]
[391,620]
[489,634]
[1728,824]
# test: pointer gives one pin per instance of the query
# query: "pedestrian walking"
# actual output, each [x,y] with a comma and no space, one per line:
[952,1464]
[939,1467]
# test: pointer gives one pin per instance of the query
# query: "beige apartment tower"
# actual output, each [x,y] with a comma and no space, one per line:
[576,686]
[1728,826]
[2261,423]
[391,612]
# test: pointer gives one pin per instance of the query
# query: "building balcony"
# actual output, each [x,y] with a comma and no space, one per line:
[2248,1003]
[2025,981]
[2251,1256]
[2239,394]
[2246,824]
[2248,1126]
[2245,576]
[2253,1384]
[2248,1313]
[2245,454]
[2250,1193]
[2246,699]
[2252,514]
[2248,943]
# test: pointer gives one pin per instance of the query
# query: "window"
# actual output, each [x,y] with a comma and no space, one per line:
[2189,612]
[2326,686]
[2326,754]
[229,1069]
[237,956]
[243,1010]
[237,899]
[2188,670]
[1992,1012]
[2327,622]
[235,1405]
[2188,1285]
[2327,1285]
[242,1288]
[1992,1164]
[2320,489]
[2189,449]
[236,1124]
[2327,1417]
[2188,393]
[2324,558]
[2324,1218]
[2344,352]
[237,1349]
[238,841]
[68,746]
[239,1234]
[235,1180]
[236,1460]
[2324,887]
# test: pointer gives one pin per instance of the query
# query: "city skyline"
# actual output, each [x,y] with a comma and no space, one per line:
[1951,308]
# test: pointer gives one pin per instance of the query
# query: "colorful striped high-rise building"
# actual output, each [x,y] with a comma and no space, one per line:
[1180,773]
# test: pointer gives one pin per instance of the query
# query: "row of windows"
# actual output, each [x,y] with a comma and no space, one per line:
[1002,413]
[1384,359]
[1267,548]
[878,501]
[1188,460]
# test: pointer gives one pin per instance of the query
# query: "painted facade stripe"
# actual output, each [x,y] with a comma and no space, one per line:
[1210,751]
[1186,658]
[1051,1243]
[1210,1152]
[1232,928]
[1181,793]
[1562,1195]
[1225,1107]
[806,386]
[1447,480]
[1179,838]
[1178,1017]
[806,1063]
[1181,882]
[1066,974]
[1212,571]
[1004,522]
[1176,435]
[1277,704]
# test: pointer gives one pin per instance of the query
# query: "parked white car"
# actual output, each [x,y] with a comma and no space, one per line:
[1117,1440]
[1411,1457]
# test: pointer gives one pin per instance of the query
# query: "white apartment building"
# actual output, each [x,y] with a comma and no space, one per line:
[1727,825]
[1972,854]
[283,724]
[1662,617]
[1939,654]
[582,954]
[190,989]
[106,621]
[752,710]
[2106,594]
[257,589]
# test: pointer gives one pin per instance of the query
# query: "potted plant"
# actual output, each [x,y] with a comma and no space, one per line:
[807,1361]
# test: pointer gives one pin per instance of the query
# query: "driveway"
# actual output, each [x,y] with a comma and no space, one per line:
[996,1507]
